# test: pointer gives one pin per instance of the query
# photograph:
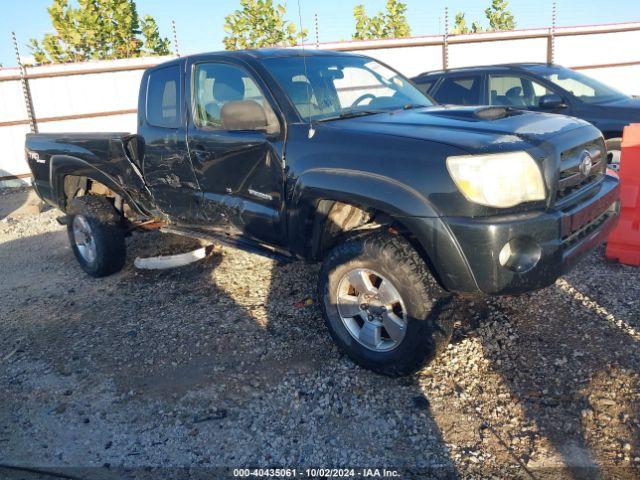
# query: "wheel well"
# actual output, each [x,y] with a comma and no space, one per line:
[332,221]
[78,186]
[336,221]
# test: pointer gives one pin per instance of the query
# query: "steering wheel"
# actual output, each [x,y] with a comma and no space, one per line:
[362,98]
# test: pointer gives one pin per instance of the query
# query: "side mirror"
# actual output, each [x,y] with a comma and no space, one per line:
[244,115]
[551,101]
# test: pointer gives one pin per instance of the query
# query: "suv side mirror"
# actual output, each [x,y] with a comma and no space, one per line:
[551,101]
[244,115]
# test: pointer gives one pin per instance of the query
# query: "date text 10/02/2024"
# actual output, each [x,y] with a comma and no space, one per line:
[316,472]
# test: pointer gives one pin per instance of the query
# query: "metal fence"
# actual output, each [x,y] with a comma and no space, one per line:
[102,96]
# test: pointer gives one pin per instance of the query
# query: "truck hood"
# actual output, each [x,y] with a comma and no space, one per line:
[475,129]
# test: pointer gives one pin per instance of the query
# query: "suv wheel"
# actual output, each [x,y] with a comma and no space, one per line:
[382,306]
[96,235]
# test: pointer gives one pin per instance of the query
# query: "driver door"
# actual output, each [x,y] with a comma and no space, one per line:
[240,172]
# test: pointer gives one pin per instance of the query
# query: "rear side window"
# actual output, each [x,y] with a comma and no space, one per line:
[459,90]
[163,98]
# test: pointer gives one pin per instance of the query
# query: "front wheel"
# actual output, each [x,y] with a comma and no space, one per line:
[382,306]
[96,235]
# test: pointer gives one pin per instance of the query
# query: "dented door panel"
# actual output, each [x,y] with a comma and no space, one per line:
[170,177]
[241,177]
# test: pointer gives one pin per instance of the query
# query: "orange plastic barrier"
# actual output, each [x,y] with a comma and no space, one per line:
[623,243]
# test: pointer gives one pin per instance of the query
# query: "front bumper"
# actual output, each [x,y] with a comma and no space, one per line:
[563,237]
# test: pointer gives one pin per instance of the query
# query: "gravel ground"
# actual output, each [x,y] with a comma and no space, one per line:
[225,363]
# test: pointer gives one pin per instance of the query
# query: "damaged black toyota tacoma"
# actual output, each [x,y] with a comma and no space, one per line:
[336,158]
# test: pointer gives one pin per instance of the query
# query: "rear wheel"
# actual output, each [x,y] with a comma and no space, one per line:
[614,149]
[96,235]
[382,306]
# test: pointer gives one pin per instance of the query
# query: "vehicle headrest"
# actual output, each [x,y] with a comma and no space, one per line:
[514,92]
[228,87]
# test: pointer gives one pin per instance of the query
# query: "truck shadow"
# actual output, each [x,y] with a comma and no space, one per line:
[229,346]
[236,345]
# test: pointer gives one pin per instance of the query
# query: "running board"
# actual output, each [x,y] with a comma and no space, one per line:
[259,249]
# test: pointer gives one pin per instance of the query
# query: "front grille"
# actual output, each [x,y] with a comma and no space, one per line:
[573,179]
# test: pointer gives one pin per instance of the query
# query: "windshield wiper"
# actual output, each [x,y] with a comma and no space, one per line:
[410,106]
[351,114]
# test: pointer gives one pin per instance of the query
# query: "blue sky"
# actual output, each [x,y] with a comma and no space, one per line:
[200,22]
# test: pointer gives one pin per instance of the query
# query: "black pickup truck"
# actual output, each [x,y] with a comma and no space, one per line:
[336,158]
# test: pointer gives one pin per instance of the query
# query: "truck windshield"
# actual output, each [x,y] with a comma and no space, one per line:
[582,87]
[334,87]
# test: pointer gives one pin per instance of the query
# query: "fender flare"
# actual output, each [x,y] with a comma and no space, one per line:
[401,203]
[362,188]
[61,166]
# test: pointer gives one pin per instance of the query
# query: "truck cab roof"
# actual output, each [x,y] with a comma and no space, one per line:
[258,54]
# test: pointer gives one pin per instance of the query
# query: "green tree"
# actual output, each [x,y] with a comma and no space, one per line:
[390,24]
[499,16]
[154,43]
[98,30]
[260,23]
[460,25]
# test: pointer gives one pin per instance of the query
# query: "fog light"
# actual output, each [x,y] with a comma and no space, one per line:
[520,254]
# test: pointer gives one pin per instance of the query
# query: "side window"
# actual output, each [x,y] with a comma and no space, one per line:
[217,84]
[163,98]
[460,90]
[514,91]
[425,85]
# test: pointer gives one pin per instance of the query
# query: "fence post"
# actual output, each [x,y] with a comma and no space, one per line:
[551,39]
[25,87]
[445,40]
[175,38]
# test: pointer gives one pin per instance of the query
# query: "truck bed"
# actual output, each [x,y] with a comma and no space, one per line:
[110,157]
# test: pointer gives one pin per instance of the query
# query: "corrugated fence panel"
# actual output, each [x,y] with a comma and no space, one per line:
[12,160]
[506,51]
[625,79]
[81,94]
[106,92]
[598,48]
[113,123]
[409,60]
[12,105]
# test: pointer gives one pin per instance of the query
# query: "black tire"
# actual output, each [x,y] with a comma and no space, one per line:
[429,309]
[614,147]
[107,233]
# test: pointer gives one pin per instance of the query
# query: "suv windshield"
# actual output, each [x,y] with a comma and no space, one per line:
[341,86]
[582,87]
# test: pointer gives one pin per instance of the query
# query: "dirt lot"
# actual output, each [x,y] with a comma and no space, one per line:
[225,363]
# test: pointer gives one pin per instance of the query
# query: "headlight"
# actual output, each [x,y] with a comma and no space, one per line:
[498,180]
